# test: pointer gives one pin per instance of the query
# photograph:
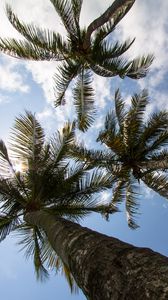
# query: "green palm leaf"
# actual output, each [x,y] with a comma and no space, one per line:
[27,137]
[156,125]
[31,241]
[65,11]
[84,100]
[139,66]
[76,6]
[157,182]
[26,50]
[67,72]
[51,43]
[60,144]
[120,110]
[7,224]
[105,50]
[133,124]
[131,205]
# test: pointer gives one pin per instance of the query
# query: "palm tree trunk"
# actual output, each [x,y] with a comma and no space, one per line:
[118,7]
[105,268]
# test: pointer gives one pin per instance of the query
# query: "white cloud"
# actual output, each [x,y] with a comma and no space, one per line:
[4,99]
[150,31]
[11,78]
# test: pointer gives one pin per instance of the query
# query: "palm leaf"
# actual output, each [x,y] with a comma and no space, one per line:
[104,50]
[131,205]
[31,241]
[67,71]
[41,272]
[157,182]
[88,184]
[7,224]
[139,67]
[110,135]
[102,32]
[119,110]
[11,189]
[61,142]
[76,6]
[49,41]
[84,102]
[5,163]
[23,49]
[133,124]
[158,143]
[27,138]
[111,67]
[119,192]
[65,11]
[156,125]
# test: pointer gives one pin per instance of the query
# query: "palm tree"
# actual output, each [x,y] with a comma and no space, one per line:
[136,151]
[84,51]
[48,182]
[37,203]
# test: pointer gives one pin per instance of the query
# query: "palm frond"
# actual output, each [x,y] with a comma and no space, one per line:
[156,125]
[26,50]
[92,158]
[139,66]
[158,143]
[51,43]
[110,135]
[102,32]
[119,192]
[158,157]
[84,100]
[111,67]
[67,274]
[76,6]
[12,191]
[7,224]
[83,189]
[27,138]
[5,163]
[105,51]
[61,142]
[31,241]
[157,182]
[133,123]
[131,205]
[41,272]
[67,71]
[65,11]
[119,110]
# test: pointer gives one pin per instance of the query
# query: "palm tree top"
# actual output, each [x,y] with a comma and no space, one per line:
[137,151]
[48,181]
[84,52]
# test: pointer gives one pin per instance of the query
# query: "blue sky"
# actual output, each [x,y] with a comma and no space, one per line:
[29,85]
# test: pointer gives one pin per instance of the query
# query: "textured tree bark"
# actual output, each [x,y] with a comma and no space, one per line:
[105,268]
[117,7]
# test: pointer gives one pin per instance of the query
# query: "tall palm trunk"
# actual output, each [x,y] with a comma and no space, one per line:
[104,267]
